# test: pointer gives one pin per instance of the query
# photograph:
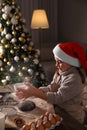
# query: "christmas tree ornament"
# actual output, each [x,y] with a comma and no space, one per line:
[3,41]
[9,63]
[24,68]
[30,48]
[21,39]
[14,40]
[17,17]
[37,56]
[10,15]
[17,28]
[4,81]
[37,73]
[0,25]
[12,69]
[1,63]
[20,74]
[1,56]
[26,59]
[7,9]
[14,21]
[5,60]
[23,56]
[1,49]
[23,47]
[8,78]
[30,71]
[2,69]
[20,26]
[2,10]
[2,33]
[8,36]
[13,2]
[3,3]
[0,29]
[7,45]
[30,56]
[38,51]
[16,58]
[42,76]
[8,23]
[36,61]
[27,79]
[28,39]
[20,14]
[31,43]
[12,51]
[4,16]
[23,34]
[16,47]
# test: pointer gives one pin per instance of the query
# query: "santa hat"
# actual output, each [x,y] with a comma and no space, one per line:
[71,53]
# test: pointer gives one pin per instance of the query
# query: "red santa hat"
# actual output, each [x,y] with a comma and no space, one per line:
[71,53]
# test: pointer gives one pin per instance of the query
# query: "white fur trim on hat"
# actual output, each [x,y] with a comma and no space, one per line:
[59,53]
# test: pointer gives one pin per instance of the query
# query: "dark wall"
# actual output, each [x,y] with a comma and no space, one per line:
[72,20]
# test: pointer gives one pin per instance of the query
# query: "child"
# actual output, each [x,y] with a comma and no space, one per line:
[65,91]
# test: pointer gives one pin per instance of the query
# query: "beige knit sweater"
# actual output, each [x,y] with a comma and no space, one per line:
[66,91]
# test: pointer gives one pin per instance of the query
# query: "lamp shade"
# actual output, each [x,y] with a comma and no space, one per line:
[39,19]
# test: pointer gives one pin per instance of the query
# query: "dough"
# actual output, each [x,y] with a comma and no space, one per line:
[26,105]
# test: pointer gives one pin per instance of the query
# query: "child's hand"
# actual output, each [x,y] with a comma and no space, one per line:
[24,92]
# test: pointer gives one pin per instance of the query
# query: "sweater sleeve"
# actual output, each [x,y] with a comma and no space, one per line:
[70,88]
[53,86]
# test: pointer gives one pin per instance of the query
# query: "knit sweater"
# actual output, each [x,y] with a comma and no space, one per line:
[66,91]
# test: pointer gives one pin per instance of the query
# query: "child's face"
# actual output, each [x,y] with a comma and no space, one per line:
[61,66]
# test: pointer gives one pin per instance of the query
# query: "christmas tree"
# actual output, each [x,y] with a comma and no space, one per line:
[19,60]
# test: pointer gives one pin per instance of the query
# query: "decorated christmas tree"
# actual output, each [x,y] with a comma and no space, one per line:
[19,60]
